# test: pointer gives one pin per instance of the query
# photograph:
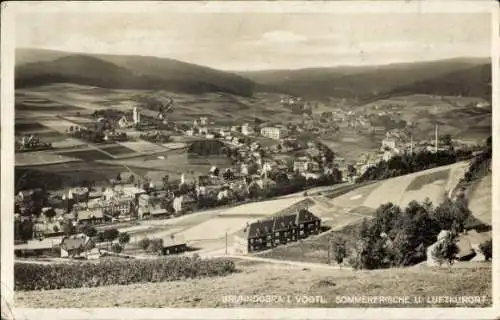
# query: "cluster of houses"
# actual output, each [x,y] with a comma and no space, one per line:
[31,142]
[289,225]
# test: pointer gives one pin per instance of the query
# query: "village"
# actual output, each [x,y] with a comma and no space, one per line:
[267,160]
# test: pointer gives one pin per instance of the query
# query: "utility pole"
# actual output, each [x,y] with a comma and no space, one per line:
[329,249]
[436,137]
[226,243]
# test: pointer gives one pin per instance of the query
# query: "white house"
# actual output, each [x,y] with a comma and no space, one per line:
[274,132]
[244,169]
[177,204]
[246,129]
[123,122]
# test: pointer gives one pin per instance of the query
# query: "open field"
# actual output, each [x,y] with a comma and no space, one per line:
[37,158]
[142,146]
[58,125]
[395,190]
[174,162]
[86,155]
[117,150]
[30,127]
[223,108]
[70,174]
[457,116]
[279,280]
[351,145]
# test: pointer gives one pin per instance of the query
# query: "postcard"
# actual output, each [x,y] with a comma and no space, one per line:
[248,160]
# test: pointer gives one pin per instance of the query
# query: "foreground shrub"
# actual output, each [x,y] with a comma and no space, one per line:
[116,248]
[445,251]
[339,249]
[144,243]
[486,249]
[112,272]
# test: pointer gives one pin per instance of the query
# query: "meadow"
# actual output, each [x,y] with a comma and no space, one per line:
[272,279]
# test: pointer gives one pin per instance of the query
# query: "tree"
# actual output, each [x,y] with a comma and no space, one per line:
[111,234]
[487,249]
[100,236]
[116,248]
[50,213]
[446,140]
[144,243]
[156,245]
[339,249]
[124,238]
[89,231]
[131,179]
[446,251]
[68,228]
[165,181]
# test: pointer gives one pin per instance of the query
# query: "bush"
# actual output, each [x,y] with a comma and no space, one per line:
[445,251]
[486,249]
[29,276]
[111,234]
[116,248]
[156,245]
[123,238]
[89,231]
[100,236]
[144,243]
[339,249]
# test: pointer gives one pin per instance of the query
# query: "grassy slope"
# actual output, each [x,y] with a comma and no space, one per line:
[480,200]
[263,279]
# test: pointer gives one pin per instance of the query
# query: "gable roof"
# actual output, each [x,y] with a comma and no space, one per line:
[284,222]
[305,216]
[77,242]
[170,241]
[96,213]
[260,228]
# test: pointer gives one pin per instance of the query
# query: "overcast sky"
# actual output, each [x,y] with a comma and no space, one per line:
[236,41]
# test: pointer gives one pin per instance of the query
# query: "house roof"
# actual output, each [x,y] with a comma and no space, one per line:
[305,216]
[284,222]
[47,243]
[89,214]
[170,241]
[260,227]
[76,242]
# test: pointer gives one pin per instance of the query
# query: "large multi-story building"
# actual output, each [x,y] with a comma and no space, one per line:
[274,132]
[276,230]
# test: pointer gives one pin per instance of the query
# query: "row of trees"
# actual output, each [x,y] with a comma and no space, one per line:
[479,165]
[409,163]
[207,147]
[397,237]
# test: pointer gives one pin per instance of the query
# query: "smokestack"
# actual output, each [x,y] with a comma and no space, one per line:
[436,133]
[411,144]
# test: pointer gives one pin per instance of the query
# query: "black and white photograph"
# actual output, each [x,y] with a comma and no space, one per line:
[249,155]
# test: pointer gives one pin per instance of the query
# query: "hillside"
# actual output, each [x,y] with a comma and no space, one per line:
[465,76]
[123,72]
[474,81]
[376,81]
